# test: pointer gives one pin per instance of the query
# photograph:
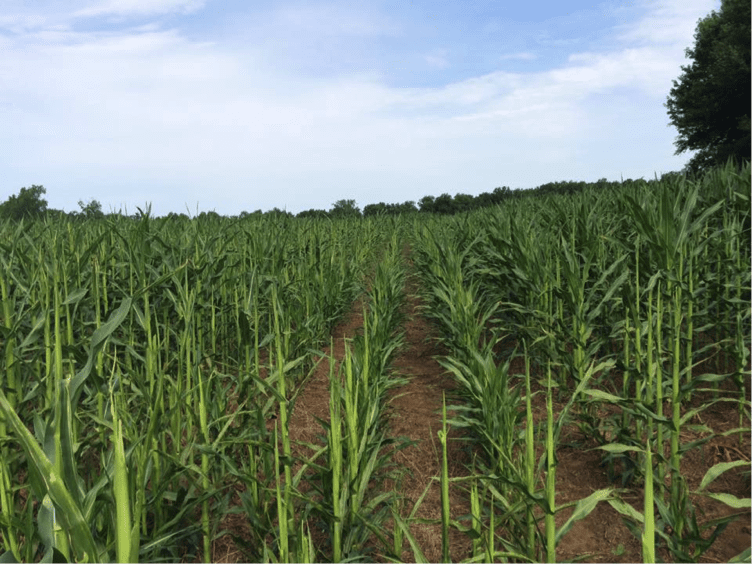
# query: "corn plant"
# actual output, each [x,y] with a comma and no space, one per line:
[196,334]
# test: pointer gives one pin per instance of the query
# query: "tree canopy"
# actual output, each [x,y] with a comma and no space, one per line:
[345,208]
[709,103]
[27,203]
[91,209]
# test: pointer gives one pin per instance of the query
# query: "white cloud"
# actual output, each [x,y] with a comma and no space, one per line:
[438,58]
[21,23]
[666,22]
[149,115]
[331,19]
[139,7]
[523,56]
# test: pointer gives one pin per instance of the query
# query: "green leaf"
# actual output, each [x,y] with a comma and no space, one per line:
[37,326]
[618,448]
[75,296]
[731,500]
[46,522]
[717,470]
[68,511]
[742,556]
[98,340]
[626,510]
[583,508]
[8,558]
[418,555]
[604,396]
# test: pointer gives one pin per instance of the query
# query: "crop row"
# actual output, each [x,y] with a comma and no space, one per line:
[628,303]
[142,363]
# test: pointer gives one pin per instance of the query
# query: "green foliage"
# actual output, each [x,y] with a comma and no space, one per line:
[389,209]
[344,208]
[314,213]
[447,204]
[151,367]
[276,212]
[622,292]
[90,209]
[27,203]
[444,204]
[426,203]
[709,104]
[208,304]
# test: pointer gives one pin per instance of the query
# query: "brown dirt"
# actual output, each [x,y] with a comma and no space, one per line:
[603,536]
[416,414]
[313,401]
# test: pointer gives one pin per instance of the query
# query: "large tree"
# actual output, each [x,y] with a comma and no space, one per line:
[91,209]
[27,203]
[710,102]
[344,208]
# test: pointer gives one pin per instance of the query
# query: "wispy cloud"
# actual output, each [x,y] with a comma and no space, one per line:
[151,113]
[666,22]
[438,58]
[139,7]
[523,56]
[332,19]
[21,23]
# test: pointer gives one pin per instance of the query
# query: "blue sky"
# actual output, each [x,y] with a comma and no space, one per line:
[199,105]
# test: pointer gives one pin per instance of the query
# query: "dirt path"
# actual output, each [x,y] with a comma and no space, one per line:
[313,400]
[416,414]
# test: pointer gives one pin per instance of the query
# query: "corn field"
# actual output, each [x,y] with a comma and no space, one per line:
[150,368]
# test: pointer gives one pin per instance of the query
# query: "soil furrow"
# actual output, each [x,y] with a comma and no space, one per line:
[416,414]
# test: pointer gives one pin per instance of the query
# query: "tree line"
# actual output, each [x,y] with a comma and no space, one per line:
[30,203]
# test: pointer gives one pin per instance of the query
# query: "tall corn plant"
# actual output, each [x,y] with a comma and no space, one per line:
[491,411]
[173,359]
[518,271]
[676,233]
[454,301]
[668,231]
[359,450]
[55,480]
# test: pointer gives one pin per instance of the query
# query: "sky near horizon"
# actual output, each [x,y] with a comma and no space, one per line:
[236,105]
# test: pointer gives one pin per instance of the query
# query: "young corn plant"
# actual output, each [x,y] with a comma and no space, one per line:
[54,477]
[174,361]
[676,234]
[511,482]
[358,449]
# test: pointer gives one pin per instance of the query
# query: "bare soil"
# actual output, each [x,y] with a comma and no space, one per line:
[416,413]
